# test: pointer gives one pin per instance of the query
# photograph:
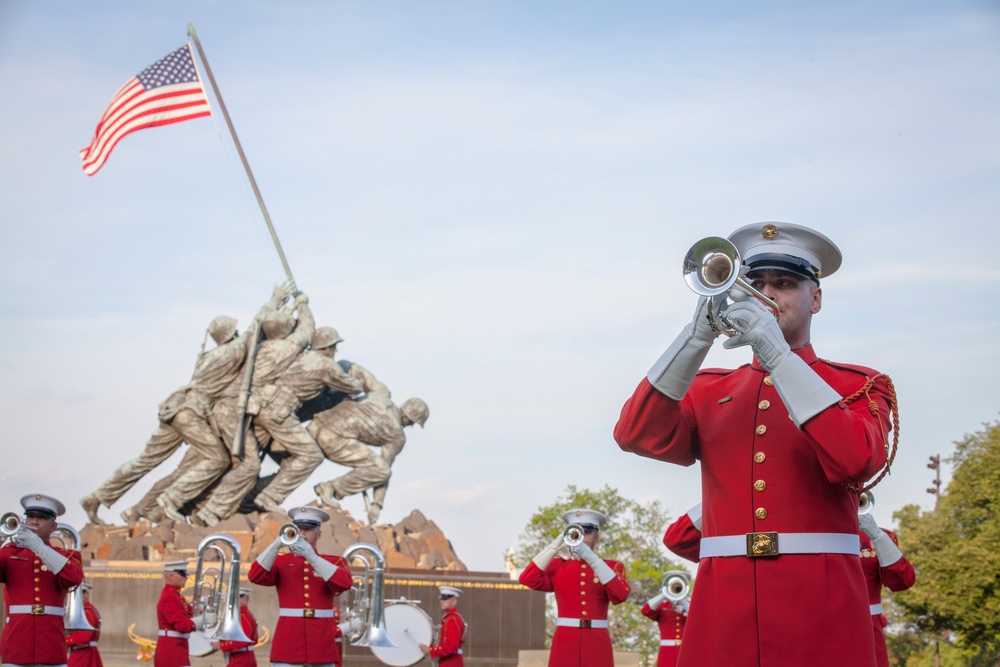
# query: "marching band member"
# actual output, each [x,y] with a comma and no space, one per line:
[448,650]
[82,644]
[780,440]
[37,577]
[884,565]
[584,586]
[240,654]
[173,617]
[683,536]
[670,617]
[307,583]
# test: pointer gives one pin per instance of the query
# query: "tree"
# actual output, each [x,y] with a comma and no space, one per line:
[956,553]
[633,536]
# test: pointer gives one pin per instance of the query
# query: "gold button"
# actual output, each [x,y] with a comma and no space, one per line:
[764,405]
[583,613]
[761,430]
[307,595]
[583,592]
[760,485]
[307,586]
[37,589]
[583,602]
[45,569]
[759,457]
[760,513]
[596,580]
[36,579]
[768,381]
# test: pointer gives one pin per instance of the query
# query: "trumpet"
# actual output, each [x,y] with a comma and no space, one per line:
[289,533]
[712,268]
[367,599]
[9,523]
[573,535]
[866,503]
[74,617]
[676,585]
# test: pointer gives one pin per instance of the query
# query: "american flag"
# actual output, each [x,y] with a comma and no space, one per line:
[168,91]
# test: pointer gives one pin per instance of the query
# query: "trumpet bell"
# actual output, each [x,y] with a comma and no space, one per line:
[676,585]
[866,503]
[289,534]
[573,535]
[9,523]
[711,266]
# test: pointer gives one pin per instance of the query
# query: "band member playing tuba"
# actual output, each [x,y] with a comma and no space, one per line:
[585,585]
[307,583]
[238,653]
[448,650]
[36,577]
[82,644]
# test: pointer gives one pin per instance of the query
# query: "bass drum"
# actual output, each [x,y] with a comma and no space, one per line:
[408,626]
[199,645]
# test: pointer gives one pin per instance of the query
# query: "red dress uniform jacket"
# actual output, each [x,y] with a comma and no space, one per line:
[896,577]
[579,596]
[671,623]
[35,639]
[173,616]
[448,651]
[82,644]
[682,538]
[240,654]
[760,473]
[303,639]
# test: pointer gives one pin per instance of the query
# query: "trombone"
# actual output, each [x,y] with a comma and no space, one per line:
[74,617]
[366,599]
[712,268]
[223,598]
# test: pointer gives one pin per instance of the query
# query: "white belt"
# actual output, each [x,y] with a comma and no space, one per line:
[77,648]
[241,650]
[875,608]
[36,610]
[582,623]
[670,642]
[174,633]
[754,545]
[306,613]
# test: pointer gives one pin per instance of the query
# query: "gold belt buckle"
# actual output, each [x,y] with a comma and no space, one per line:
[762,544]
[585,623]
[308,613]
[37,610]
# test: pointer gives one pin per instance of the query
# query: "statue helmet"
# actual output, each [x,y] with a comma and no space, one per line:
[416,410]
[325,337]
[222,329]
[277,325]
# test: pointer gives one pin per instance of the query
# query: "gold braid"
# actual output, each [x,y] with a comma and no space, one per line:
[890,455]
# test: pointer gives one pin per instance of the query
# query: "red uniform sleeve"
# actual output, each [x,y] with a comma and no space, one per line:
[618,588]
[536,579]
[900,575]
[657,427]
[71,573]
[341,580]
[262,577]
[682,538]
[649,612]
[177,614]
[451,638]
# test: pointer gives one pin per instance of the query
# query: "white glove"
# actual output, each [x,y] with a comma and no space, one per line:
[302,548]
[886,550]
[199,622]
[543,559]
[601,569]
[29,539]
[674,371]
[804,393]
[266,558]
[211,619]
[694,514]
[682,606]
[869,526]
[655,601]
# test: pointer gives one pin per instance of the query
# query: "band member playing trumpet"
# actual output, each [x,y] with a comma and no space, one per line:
[307,583]
[669,608]
[82,644]
[173,618]
[448,650]
[784,447]
[584,585]
[240,654]
[37,577]
[884,565]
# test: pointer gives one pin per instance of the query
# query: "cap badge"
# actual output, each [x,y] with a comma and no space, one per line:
[769,231]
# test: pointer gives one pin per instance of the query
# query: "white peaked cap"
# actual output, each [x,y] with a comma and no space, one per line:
[308,514]
[581,516]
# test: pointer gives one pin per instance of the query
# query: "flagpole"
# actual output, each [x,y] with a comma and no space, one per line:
[239,148]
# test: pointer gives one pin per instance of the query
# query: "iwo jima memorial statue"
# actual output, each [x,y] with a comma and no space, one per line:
[277,391]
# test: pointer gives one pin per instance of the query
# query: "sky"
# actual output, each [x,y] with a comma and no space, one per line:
[491,202]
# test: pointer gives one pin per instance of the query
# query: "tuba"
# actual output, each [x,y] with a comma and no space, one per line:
[712,268]
[866,503]
[217,590]
[74,618]
[366,599]
[676,585]
[573,535]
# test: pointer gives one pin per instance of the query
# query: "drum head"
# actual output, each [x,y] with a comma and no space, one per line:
[199,645]
[408,626]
